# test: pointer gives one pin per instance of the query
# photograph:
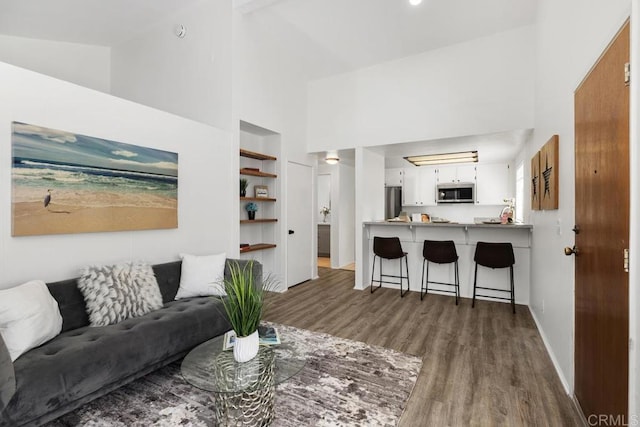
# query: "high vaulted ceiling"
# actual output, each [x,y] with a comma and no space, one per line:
[326,36]
[336,36]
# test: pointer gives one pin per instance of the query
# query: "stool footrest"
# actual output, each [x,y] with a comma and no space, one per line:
[443,290]
[441,283]
[384,281]
[491,296]
[494,289]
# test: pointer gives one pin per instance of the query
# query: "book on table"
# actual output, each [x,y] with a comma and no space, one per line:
[267,335]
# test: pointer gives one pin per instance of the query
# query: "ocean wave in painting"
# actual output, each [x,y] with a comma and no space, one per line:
[60,177]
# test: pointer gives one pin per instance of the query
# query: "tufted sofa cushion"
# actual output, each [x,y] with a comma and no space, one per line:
[81,362]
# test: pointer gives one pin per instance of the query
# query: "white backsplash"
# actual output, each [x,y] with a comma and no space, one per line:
[463,213]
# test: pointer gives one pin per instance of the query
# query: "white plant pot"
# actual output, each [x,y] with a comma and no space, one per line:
[246,348]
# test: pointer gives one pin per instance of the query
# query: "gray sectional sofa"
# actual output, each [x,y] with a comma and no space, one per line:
[83,362]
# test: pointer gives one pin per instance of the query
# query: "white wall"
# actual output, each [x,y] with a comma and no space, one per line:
[570,36]
[478,87]
[270,91]
[324,196]
[347,218]
[85,65]
[369,205]
[205,178]
[191,76]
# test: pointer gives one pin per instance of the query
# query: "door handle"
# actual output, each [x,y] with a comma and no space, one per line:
[291,231]
[571,251]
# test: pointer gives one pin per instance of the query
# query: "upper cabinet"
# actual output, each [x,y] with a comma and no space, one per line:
[419,186]
[456,174]
[492,185]
[393,177]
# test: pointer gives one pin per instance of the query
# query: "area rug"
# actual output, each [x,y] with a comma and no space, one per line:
[344,383]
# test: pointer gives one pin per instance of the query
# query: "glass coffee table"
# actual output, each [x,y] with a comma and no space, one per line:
[242,393]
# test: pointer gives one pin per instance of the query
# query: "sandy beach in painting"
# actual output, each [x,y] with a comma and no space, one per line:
[81,212]
[71,183]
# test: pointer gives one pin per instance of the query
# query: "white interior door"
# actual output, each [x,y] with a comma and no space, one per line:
[299,223]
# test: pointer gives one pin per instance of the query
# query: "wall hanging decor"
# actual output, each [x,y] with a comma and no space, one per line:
[64,182]
[549,174]
[544,176]
[535,182]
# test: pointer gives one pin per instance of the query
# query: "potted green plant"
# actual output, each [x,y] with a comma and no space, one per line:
[251,209]
[244,305]
[244,183]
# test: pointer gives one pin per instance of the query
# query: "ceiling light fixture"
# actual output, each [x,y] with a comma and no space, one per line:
[442,159]
[415,2]
[332,157]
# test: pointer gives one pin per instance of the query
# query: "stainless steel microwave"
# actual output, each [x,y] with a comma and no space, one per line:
[462,192]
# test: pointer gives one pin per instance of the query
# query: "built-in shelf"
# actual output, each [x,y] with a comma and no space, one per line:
[257,156]
[257,247]
[257,221]
[265,162]
[253,172]
[257,199]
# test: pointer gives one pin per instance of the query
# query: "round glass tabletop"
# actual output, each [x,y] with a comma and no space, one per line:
[211,368]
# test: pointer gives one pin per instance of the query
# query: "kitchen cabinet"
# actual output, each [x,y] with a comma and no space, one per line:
[493,184]
[324,240]
[419,186]
[393,177]
[456,174]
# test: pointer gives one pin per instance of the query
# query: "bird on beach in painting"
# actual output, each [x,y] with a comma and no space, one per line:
[47,198]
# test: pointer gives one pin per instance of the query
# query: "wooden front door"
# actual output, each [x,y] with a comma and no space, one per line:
[602,219]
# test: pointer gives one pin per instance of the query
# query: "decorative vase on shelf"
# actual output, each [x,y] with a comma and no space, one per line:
[251,209]
[246,348]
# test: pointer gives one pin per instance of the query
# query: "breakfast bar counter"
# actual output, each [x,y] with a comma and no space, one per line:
[465,236]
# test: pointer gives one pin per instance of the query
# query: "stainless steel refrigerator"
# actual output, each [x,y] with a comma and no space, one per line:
[392,202]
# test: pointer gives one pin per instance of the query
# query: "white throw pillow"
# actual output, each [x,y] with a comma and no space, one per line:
[29,317]
[202,276]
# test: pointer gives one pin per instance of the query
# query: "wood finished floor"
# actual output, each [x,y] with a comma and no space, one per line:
[482,366]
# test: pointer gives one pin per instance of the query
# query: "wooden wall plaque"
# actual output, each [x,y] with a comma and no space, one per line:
[549,174]
[535,182]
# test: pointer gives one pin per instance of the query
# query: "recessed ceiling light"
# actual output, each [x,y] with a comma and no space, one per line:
[415,2]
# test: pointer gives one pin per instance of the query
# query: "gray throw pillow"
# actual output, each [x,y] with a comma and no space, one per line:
[114,293]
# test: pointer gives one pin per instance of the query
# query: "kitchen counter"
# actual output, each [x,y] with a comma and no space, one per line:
[465,236]
[449,224]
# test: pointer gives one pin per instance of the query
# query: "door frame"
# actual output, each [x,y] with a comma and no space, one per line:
[634,212]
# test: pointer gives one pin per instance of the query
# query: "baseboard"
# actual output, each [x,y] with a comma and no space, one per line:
[578,409]
[552,355]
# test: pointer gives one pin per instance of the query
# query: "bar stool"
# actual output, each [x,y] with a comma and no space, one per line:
[389,248]
[494,255]
[439,252]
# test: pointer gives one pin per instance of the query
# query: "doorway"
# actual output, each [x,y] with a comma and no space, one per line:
[299,223]
[602,234]
[324,220]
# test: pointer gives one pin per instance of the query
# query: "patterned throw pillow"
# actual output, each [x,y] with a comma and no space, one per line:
[114,293]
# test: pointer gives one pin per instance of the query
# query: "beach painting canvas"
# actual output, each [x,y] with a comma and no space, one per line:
[64,182]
